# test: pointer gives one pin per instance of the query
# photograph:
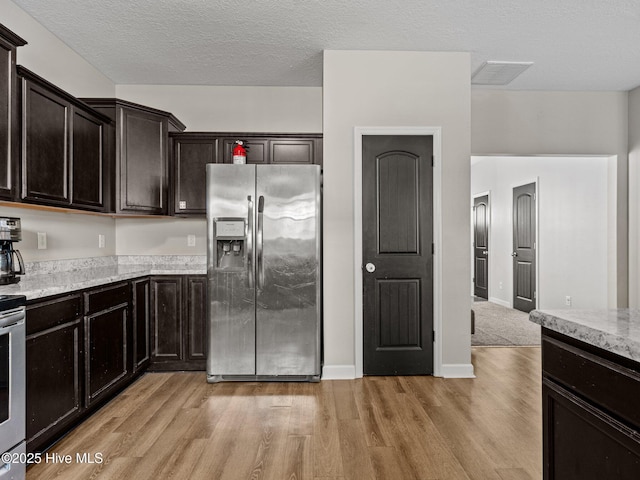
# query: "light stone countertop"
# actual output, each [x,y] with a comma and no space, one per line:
[58,282]
[616,330]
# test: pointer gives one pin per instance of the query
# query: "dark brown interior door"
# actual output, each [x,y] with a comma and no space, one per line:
[524,247]
[397,243]
[481,246]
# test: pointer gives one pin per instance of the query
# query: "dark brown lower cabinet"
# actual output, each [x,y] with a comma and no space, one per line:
[591,420]
[178,318]
[54,352]
[82,349]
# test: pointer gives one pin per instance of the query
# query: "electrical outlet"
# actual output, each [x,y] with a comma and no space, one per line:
[191,240]
[500,285]
[567,300]
[100,240]
[42,240]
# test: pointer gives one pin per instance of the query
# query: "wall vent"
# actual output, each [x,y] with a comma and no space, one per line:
[498,73]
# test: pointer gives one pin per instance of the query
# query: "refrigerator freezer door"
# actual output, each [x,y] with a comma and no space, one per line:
[231,308]
[288,270]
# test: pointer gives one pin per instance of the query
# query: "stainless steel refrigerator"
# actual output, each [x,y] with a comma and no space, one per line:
[263,267]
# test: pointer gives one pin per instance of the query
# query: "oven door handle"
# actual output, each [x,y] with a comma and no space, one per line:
[11,318]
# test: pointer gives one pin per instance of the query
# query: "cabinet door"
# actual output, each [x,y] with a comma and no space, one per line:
[143,161]
[87,161]
[190,159]
[106,351]
[196,312]
[53,381]
[292,151]
[7,119]
[583,442]
[141,323]
[257,150]
[45,140]
[166,319]
[54,352]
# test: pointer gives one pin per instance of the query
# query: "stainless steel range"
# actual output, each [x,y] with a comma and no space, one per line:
[12,387]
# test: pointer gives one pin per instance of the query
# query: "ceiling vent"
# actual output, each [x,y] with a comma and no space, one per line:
[498,73]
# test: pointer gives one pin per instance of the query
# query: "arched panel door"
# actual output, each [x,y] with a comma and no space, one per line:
[524,247]
[397,262]
[481,246]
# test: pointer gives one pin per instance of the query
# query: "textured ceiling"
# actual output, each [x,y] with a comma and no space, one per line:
[575,44]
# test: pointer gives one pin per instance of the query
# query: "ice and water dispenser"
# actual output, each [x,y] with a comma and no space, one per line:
[231,246]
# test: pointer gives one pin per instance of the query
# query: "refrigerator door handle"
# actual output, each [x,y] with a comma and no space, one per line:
[250,242]
[260,244]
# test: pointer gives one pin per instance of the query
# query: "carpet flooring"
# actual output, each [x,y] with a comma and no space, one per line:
[500,326]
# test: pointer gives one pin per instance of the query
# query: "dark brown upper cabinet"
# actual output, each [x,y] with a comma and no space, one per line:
[257,149]
[9,105]
[274,148]
[62,147]
[139,155]
[191,153]
[193,150]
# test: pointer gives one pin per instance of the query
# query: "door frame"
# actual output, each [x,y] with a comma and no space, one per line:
[473,267]
[436,133]
[521,183]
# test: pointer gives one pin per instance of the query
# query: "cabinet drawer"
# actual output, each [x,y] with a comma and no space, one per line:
[47,314]
[612,387]
[103,298]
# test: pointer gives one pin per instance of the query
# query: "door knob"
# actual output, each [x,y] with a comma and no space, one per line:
[514,254]
[485,252]
[370,267]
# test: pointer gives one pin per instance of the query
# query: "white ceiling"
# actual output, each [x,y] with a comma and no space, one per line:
[575,44]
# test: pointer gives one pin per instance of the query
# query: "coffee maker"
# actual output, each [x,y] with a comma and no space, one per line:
[10,232]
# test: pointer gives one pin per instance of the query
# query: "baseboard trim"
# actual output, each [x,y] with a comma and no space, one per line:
[457,370]
[499,302]
[348,372]
[338,372]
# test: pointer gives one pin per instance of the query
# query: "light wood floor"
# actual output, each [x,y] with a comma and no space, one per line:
[176,426]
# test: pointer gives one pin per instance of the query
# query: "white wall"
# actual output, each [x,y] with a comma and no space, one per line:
[46,55]
[634,198]
[69,235]
[234,109]
[160,236]
[563,123]
[572,195]
[395,89]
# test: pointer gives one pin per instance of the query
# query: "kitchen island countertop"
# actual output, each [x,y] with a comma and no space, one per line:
[614,330]
[56,283]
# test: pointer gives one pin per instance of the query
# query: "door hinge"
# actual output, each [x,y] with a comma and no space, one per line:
[433,248]
[433,332]
[433,162]
[534,294]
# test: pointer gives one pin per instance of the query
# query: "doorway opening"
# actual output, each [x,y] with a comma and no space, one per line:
[574,242]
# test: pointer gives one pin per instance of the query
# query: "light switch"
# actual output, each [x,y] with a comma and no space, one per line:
[191,240]
[100,241]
